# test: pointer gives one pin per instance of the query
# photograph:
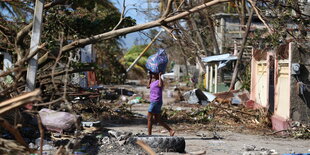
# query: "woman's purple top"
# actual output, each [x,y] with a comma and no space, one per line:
[156,92]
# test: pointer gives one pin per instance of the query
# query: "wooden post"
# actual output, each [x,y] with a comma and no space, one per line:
[215,79]
[35,40]
[235,48]
[207,77]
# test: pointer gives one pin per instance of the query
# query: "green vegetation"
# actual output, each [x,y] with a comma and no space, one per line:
[132,54]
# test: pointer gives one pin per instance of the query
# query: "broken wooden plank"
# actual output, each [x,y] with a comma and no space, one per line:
[146,147]
[5,124]
[41,133]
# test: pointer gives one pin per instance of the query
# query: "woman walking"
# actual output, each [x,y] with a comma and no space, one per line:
[156,91]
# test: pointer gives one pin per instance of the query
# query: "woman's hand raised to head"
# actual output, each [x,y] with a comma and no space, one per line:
[160,84]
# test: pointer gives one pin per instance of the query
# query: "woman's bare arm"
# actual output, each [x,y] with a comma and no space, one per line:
[161,83]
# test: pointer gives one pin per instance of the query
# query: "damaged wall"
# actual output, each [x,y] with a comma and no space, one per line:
[300,85]
[275,86]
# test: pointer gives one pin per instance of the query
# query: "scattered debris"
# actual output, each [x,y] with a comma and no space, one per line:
[161,143]
[253,150]
[91,124]
[114,104]
[234,97]
[119,135]
[57,121]
[197,96]
[191,97]
[146,147]
[224,113]
[11,147]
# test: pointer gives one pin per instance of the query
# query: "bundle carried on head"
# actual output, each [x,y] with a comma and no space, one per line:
[157,62]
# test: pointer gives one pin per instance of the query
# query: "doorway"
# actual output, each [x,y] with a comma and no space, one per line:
[271,84]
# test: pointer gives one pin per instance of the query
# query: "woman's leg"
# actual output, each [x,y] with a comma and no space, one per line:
[149,122]
[158,119]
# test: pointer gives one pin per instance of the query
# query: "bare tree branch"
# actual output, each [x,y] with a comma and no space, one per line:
[21,61]
[198,35]
[244,39]
[122,16]
[23,97]
[49,103]
[57,60]
[178,9]
[41,132]
[260,16]
[24,31]
[54,3]
[66,77]
[168,9]
[5,124]
[4,29]
[6,37]
[169,30]
[13,103]
[19,40]
[212,32]
[123,31]
[64,72]
[189,37]
[8,72]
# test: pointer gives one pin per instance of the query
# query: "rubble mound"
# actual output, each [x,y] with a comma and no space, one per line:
[162,143]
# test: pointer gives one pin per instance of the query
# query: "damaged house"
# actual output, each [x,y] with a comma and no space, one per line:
[228,32]
[85,79]
[280,82]
[279,77]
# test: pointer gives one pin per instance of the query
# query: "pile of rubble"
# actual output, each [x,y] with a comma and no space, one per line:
[117,143]
[228,108]
[85,109]
[223,114]
[298,130]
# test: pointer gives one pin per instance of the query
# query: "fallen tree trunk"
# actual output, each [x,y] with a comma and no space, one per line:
[123,31]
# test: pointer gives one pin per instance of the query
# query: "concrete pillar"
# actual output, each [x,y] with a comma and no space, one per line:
[35,40]
[222,35]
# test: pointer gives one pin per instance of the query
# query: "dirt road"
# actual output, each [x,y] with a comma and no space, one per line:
[232,142]
[201,139]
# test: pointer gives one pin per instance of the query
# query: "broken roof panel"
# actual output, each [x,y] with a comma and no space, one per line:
[216,58]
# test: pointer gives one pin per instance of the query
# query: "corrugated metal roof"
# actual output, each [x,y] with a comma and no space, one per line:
[216,58]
